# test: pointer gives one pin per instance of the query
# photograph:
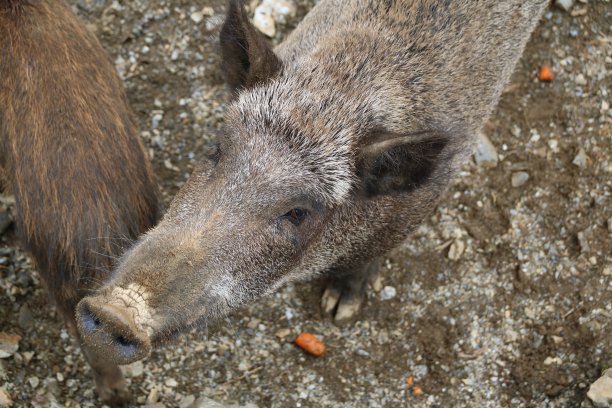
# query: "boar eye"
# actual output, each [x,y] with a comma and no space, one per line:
[296,215]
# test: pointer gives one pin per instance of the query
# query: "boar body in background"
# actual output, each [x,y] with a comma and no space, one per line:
[70,153]
[337,145]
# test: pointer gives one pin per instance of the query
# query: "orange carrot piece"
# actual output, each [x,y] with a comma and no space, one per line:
[546,73]
[310,344]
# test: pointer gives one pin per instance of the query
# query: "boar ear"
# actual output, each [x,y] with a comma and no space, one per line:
[248,60]
[392,163]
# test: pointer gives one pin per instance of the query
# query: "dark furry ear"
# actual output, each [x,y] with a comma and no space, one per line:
[392,163]
[248,60]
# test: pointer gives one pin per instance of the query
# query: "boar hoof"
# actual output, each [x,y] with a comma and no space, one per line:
[342,303]
[376,283]
[330,299]
[347,310]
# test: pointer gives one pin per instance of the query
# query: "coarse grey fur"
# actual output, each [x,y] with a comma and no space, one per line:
[337,145]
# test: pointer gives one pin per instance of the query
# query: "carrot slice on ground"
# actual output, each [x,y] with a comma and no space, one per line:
[546,74]
[310,344]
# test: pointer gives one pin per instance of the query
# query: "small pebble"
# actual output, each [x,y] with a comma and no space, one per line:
[578,12]
[519,178]
[34,381]
[564,4]
[456,250]
[388,292]
[552,360]
[197,17]
[280,10]
[153,396]
[171,382]
[9,344]
[253,323]
[581,159]
[486,154]
[25,319]
[420,371]
[187,401]
[27,356]
[270,12]
[282,333]
[135,369]
[556,339]
[263,21]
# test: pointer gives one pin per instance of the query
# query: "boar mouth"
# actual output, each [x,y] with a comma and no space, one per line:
[170,333]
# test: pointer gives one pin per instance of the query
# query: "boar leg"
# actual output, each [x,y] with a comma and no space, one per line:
[110,383]
[346,289]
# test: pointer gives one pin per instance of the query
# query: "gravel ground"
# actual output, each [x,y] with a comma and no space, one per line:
[503,298]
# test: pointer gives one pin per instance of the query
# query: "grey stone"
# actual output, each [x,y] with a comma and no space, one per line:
[388,293]
[564,4]
[600,392]
[263,21]
[486,153]
[270,12]
[34,381]
[420,371]
[171,382]
[197,17]
[519,178]
[580,79]
[26,319]
[133,370]
[581,159]
[187,401]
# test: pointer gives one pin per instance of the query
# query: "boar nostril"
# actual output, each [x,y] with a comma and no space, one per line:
[126,346]
[89,320]
[123,341]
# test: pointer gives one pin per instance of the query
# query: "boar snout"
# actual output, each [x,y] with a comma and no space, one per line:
[111,330]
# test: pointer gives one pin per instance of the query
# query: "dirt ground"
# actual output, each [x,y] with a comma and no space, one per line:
[503,297]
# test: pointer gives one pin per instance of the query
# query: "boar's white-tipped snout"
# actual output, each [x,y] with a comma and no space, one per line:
[115,326]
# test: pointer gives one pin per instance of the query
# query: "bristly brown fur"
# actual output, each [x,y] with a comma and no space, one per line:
[14,7]
[70,152]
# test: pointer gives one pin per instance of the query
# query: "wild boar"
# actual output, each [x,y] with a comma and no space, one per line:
[337,144]
[71,155]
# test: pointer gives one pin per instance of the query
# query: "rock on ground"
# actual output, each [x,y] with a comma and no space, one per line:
[600,392]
